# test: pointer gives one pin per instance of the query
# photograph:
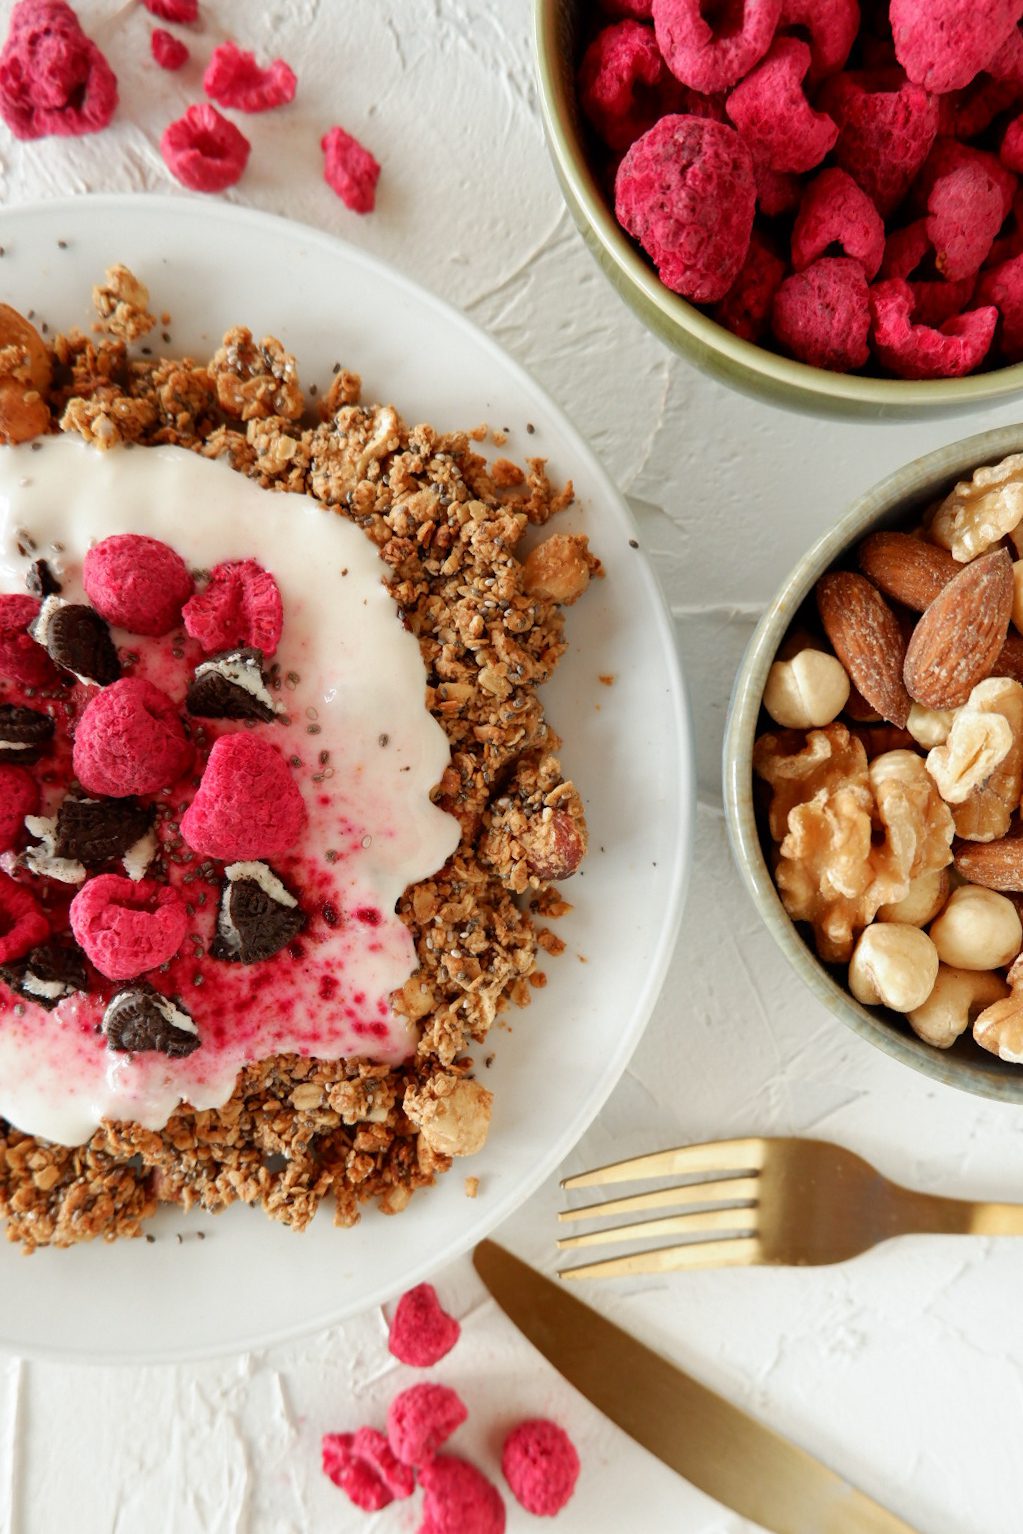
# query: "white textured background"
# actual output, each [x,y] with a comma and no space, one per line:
[905,1368]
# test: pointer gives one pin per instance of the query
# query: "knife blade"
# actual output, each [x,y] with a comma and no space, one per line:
[718,1448]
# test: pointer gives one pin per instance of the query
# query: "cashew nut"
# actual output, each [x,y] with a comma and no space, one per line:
[893,965]
[958,996]
[927,896]
[978,929]
[806,692]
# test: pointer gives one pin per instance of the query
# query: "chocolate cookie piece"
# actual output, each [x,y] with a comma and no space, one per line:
[231,686]
[258,915]
[49,973]
[25,734]
[78,639]
[41,580]
[44,858]
[138,1019]
[99,830]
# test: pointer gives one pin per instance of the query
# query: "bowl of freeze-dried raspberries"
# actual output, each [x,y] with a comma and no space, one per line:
[818,201]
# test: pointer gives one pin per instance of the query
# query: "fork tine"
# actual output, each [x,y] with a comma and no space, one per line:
[742,1252]
[739,1221]
[712,1156]
[719,1192]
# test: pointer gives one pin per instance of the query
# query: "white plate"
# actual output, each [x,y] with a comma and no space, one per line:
[251,1282]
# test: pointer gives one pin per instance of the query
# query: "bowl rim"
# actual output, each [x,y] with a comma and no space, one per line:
[887,502]
[756,364]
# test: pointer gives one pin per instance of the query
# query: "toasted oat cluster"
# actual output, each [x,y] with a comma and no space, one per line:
[896,778]
[490,630]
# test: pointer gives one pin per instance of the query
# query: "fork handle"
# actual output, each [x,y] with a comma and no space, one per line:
[995,1220]
[933,1214]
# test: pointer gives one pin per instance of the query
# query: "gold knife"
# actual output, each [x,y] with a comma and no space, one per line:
[713,1444]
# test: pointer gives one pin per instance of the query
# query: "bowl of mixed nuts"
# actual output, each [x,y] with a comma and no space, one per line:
[873,765]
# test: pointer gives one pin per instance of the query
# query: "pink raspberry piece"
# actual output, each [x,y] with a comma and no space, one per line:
[624,84]
[1002,286]
[137,583]
[771,111]
[822,315]
[353,1474]
[203,150]
[1006,65]
[908,251]
[130,740]
[921,351]
[964,215]
[21,659]
[422,1418]
[422,1332]
[53,78]
[686,192]
[234,79]
[778,192]
[371,1445]
[831,26]
[943,44]
[241,605]
[19,796]
[967,113]
[947,156]
[169,52]
[127,927]
[350,170]
[1011,150]
[541,1466]
[459,1499]
[639,10]
[746,307]
[714,54]
[22,923]
[885,133]
[836,211]
[247,806]
[181,11]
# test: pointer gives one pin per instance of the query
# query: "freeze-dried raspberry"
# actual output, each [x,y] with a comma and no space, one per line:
[1006,64]
[127,927]
[372,1446]
[21,658]
[22,923]
[822,315]
[943,44]
[239,608]
[714,54]
[830,26]
[421,1332]
[53,79]
[180,11]
[921,351]
[746,308]
[964,215]
[948,155]
[1002,286]
[422,1418]
[248,806]
[541,1466]
[459,1499]
[169,52]
[835,210]
[19,796]
[885,133]
[203,150]
[350,170]
[625,85]
[771,111]
[639,10]
[235,80]
[130,740]
[967,113]
[1011,149]
[686,192]
[137,583]
[777,191]
[353,1474]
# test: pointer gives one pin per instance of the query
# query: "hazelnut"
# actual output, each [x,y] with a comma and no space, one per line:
[893,965]
[929,726]
[806,692]
[978,929]
[958,996]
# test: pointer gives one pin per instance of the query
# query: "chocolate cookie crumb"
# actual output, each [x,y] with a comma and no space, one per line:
[258,915]
[25,734]
[48,974]
[231,686]
[78,639]
[99,830]
[41,580]
[138,1019]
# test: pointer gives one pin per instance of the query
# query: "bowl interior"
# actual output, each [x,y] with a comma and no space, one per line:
[741,364]
[889,504]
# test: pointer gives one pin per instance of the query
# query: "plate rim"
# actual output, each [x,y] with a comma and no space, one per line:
[656,613]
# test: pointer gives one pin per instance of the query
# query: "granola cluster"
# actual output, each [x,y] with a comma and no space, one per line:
[449,525]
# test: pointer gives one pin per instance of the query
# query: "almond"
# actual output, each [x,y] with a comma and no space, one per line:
[865,635]
[907,569]
[996,865]
[961,635]
[1010,659]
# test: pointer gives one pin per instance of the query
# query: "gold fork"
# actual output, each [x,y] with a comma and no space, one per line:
[775,1201]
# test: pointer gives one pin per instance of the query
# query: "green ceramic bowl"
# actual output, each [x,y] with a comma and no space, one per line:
[889,504]
[707,345]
